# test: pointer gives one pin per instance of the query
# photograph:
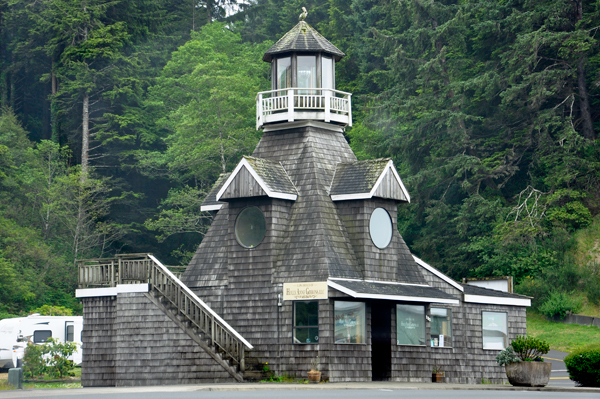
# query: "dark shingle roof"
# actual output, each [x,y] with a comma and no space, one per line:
[474,290]
[303,37]
[409,291]
[273,175]
[357,177]
[211,198]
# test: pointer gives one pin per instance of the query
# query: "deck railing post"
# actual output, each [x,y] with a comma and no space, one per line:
[242,358]
[259,111]
[212,330]
[290,105]
[350,110]
[327,105]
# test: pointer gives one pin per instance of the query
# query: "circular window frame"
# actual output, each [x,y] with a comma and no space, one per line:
[391,236]
[235,232]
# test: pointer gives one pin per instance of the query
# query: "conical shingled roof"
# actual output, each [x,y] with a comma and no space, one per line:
[303,37]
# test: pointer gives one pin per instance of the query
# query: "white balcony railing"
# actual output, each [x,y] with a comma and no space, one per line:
[294,104]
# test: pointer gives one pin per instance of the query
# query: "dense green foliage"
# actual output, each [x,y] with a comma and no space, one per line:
[584,365]
[507,356]
[559,304]
[118,116]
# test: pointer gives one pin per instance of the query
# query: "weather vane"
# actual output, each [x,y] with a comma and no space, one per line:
[302,16]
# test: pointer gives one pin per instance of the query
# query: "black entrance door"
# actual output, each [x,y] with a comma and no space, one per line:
[381,340]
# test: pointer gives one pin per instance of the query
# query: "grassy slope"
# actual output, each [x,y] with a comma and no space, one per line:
[562,337]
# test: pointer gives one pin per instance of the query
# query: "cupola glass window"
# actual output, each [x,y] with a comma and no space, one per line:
[250,227]
[380,228]
[327,73]
[284,73]
[307,73]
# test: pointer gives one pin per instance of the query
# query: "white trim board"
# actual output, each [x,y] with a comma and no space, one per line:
[497,300]
[111,291]
[355,294]
[272,194]
[438,273]
[388,167]
[377,282]
[205,208]
[293,125]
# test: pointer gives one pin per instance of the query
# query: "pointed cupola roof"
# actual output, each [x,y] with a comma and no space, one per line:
[303,38]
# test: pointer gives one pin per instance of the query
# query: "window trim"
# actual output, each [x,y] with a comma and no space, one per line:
[506,339]
[294,327]
[424,344]
[364,324]
[449,318]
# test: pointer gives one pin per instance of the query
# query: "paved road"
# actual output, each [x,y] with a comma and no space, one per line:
[382,393]
[560,376]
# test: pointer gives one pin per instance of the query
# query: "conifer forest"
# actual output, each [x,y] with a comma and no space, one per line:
[118,116]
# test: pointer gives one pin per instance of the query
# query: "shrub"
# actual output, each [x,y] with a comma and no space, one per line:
[47,310]
[34,364]
[530,348]
[560,304]
[584,365]
[507,356]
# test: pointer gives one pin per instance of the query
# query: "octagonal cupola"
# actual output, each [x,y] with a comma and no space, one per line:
[303,81]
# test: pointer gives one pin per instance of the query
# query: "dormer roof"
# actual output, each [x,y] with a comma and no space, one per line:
[368,179]
[257,177]
[303,38]
[210,202]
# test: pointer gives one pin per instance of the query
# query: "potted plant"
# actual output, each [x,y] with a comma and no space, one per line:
[524,364]
[314,375]
[437,374]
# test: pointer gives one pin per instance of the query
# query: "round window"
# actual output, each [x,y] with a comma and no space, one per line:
[250,227]
[380,227]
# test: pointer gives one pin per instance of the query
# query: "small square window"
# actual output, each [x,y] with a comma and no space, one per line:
[306,322]
[41,336]
[441,327]
[410,324]
[350,322]
[495,330]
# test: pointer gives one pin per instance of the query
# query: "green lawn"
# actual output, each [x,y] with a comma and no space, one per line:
[562,337]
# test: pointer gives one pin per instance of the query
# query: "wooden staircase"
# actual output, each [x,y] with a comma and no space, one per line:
[218,339]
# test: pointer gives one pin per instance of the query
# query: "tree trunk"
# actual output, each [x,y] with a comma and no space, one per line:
[53,107]
[584,102]
[85,138]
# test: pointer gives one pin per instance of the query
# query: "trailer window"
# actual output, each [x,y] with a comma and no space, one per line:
[41,336]
[70,333]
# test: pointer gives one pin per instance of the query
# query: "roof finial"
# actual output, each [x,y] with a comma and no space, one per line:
[302,16]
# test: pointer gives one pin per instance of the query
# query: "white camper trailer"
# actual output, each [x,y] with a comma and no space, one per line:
[15,333]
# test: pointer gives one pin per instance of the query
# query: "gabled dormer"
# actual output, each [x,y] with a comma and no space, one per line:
[256,177]
[368,179]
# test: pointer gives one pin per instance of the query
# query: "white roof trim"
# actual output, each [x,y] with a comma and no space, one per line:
[293,125]
[378,282]
[205,306]
[205,208]
[259,180]
[355,294]
[389,166]
[438,273]
[110,291]
[497,300]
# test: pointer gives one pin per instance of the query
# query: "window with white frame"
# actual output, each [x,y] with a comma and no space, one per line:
[441,327]
[495,330]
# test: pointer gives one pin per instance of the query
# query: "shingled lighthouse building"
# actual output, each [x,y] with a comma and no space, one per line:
[303,260]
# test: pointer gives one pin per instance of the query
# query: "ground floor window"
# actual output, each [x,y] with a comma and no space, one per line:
[495,330]
[306,322]
[350,325]
[410,324]
[441,327]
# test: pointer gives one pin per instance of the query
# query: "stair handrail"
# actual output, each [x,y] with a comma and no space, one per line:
[200,302]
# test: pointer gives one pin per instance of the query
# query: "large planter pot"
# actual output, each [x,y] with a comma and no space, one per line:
[529,374]
[437,377]
[314,377]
